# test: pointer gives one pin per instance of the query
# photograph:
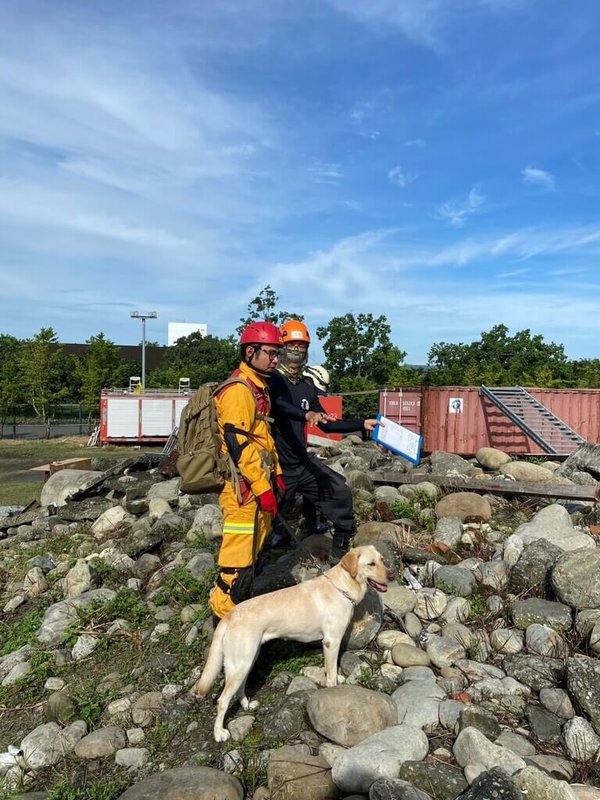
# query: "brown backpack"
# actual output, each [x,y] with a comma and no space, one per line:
[202,465]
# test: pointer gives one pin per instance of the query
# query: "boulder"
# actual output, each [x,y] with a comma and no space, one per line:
[465,506]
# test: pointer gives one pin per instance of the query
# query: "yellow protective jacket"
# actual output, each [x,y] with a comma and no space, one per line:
[236,406]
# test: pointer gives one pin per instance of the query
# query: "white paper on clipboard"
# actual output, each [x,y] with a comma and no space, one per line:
[398,439]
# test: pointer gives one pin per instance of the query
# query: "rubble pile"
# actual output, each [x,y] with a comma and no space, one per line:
[476,676]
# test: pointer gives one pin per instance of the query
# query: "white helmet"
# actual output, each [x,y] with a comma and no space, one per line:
[319,376]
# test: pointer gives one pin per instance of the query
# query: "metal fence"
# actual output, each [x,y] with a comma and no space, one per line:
[69,419]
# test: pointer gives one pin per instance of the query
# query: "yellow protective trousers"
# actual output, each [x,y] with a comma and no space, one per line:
[237,545]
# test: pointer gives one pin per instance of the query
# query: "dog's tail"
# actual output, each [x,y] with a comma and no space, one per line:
[213,665]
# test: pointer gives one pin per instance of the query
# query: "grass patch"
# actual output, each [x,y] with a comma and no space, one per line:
[98,790]
[61,447]
[89,703]
[19,493]
[180,586]
[20,632]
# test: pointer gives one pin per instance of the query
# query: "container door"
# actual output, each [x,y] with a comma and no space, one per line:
[157,416]
[122,417]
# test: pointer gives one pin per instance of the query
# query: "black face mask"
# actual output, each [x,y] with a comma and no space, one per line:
[293,359]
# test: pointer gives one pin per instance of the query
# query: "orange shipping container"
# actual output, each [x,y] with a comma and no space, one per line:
[459,419]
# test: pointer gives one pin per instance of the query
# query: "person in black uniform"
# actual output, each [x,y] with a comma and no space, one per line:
[313,523]
[294,403]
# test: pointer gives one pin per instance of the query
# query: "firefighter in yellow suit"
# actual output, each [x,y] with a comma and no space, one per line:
[248,500]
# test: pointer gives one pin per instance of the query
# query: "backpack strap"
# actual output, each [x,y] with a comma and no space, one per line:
[232,429]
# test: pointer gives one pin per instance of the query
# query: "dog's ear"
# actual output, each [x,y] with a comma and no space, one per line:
[350,563]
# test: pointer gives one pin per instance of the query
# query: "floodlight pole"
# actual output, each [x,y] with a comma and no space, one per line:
[143,316]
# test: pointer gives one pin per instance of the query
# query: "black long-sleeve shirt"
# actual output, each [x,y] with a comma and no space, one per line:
[290,402]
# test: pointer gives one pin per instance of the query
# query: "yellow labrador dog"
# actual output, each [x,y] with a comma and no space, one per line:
[317,609]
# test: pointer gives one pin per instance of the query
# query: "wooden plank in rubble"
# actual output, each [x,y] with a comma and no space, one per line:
[531,488]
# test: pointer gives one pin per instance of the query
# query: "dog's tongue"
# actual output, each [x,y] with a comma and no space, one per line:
[381,587]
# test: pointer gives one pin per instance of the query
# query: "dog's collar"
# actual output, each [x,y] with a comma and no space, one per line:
[341,591]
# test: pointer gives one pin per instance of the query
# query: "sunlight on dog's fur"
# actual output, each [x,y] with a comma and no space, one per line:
[317,609]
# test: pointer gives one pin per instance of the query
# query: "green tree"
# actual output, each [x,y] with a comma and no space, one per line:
[41,363]
[11,386]
[264,306]
[360,346]
[199,358]
[498,359]
[584,373]
[100,368]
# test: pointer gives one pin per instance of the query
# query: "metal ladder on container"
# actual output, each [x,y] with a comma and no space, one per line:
[171,442]
[539,423]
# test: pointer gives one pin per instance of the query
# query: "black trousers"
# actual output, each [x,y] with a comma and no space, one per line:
[325,488]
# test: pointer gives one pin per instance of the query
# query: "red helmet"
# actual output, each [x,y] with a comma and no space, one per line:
[261,333]
[294,330]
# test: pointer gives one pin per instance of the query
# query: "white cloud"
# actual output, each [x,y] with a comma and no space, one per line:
[512,273]
[532,176]
[415,143]
[418,20]
[325,172]
[399,177]
[458,210]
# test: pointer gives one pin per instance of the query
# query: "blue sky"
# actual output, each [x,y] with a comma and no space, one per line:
[436,161]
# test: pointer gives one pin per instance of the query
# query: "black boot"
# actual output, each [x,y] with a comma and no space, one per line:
[339,547]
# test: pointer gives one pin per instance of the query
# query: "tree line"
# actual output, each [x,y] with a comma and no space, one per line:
[37,376]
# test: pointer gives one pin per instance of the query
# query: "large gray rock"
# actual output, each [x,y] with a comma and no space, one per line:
[472,747]
[100,743]
[110,521]
[538,785]
[580,740]
[553,523]
[466,506]
[533,569]
[454,580]
[537,672]
[379,756]
[449,531]
[399,599]
[449,464]
[576,578]
[583,682]
[348,714]
[186,783]
[66,482]
[418,703]
[59,616]
[586,457]
[47,744]
[494,784]
[365,623]
[442,781]
[525,471]
[395,789]
[80,578]
[83,510]
[544,612]
[168,490]
[294,774]
[490,458]
[287,717]
[545,726]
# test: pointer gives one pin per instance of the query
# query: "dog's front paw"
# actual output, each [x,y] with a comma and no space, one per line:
[222,735]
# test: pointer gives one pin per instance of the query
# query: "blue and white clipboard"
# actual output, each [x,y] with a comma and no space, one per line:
[398,439]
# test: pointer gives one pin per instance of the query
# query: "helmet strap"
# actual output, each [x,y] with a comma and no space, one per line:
[249,359]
